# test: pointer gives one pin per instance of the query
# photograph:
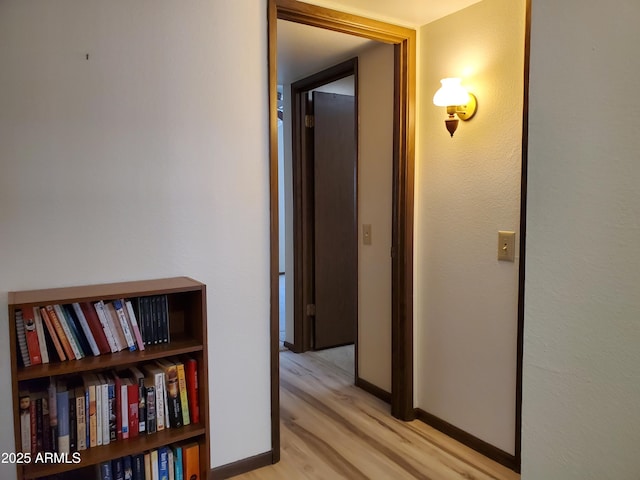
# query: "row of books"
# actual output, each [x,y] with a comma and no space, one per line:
[173,462]
[93,409]
[180,461]
[59,332]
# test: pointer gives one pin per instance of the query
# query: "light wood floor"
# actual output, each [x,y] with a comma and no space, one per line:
[332,430]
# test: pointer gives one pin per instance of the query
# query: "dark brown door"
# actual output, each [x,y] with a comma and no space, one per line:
[335,229]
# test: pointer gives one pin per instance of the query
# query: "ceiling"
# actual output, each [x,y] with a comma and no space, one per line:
[305,50]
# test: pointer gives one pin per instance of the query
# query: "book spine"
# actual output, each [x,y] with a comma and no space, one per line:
[85,328]
[33,418]
[99,414]
[138,467]
[113,412]
[191,367]
[151,425]
[61,321]
[117,468]
[81,420]
[25,422]
[42,342]
[62,402]
[191,459]
[46,423]
[118,390]
[170,465]
[164,312]
[114,324]
[106,427]
[73,425]
[163,463]
[33,345]
[53,415]
[155,475]
[177,455]
[95,326]
[127,467]
[132,398]
[102,316]
[124,411]
[182,386]
[93,420]
[122,318]
[53,334]
[104,471]
[134,324]
[22,339]
[160,410]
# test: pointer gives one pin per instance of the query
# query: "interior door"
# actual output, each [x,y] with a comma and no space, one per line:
[335,227]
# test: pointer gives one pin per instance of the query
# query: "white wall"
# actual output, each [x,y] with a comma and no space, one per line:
[581,407]
[375,170]
[468,188]
[142,162]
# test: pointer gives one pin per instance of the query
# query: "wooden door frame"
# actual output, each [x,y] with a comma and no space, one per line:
[404,41]
[303,204]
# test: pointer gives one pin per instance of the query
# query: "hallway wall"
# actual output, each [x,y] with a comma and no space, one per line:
[468,188]
[581,406]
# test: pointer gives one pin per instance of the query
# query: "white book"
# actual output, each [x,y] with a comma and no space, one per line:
[104,390]
[62,317]
[172,474]
[102,316]
[44,352]
[124,323]
[124,408]
[85,328]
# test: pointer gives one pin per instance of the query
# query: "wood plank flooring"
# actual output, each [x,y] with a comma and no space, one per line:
[331,429]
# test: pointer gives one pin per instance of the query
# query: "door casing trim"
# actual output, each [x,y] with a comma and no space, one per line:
[404,41]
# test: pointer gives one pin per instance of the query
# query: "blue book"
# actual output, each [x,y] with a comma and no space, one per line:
[177,461]
[104,471]
[62,408]
[163,463]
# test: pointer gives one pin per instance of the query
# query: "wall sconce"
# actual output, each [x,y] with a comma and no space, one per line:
[457,100]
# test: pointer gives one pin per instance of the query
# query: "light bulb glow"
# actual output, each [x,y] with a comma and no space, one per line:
[451,93]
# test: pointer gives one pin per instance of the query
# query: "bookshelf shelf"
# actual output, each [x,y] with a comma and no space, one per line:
[96,455]
[186,327]
[109,361]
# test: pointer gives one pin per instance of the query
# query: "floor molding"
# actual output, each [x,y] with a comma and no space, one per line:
[469,440]
[241,466]
[374,390]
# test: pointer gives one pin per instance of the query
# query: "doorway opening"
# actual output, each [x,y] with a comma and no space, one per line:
[401,251]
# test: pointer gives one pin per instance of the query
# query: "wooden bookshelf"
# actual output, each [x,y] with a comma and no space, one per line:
[188,335]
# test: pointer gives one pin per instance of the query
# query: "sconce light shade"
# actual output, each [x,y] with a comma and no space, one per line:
[457,100]
[450,93]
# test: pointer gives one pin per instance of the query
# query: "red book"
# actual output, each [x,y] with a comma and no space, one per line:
[132,398]
[191,369]
[118,385]
[96,327]
[53,334]
[59,330]
[32,336]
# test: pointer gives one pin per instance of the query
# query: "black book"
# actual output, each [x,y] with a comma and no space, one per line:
[117,469]
[138,468]
[151,423]
[73,423]
[39,425]
[164,313]
[46,426]
[74,324]
[127,465]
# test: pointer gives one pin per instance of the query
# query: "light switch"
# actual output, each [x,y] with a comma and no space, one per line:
[506,246]
[366,234]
